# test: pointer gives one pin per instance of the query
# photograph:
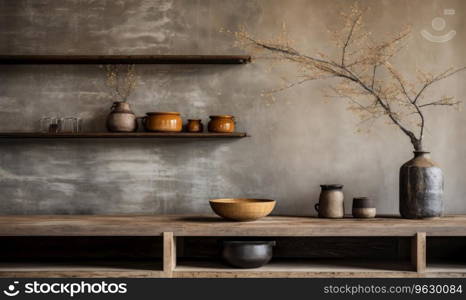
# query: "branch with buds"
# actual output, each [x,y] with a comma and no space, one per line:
[360,64]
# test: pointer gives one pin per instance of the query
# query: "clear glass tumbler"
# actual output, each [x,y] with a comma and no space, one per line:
[70,125]
[50,124]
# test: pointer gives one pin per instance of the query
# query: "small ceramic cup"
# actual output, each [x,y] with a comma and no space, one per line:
[363,207]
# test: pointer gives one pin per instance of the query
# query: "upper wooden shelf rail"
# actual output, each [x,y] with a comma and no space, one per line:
[110,135]
[190,225]
[125,59]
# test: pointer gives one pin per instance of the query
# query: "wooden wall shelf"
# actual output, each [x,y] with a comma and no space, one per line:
[170,227]
[112,135]
[124,59]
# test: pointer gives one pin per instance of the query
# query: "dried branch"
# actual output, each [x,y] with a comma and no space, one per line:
[374,73]
[439,77]
[353,22]
[121,85]
[293,84]
[447,101]
[358,69]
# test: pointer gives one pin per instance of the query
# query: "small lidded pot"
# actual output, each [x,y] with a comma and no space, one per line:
[194,125]
[363,207]
[163,122]
[222,124]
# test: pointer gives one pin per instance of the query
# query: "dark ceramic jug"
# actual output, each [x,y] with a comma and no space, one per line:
[421,188]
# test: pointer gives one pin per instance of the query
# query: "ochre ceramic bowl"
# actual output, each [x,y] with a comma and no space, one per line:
[241,209]
[221,124]
[163,122]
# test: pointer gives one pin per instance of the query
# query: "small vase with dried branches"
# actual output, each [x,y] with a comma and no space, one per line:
[375,88]
[121,117]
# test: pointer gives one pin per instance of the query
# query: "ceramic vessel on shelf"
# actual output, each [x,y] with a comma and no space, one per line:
[121,118]
[421,188]
[331,203]
[163,122]
[363,207]
[194,125]
[222,124]
[240,209]
[247,254]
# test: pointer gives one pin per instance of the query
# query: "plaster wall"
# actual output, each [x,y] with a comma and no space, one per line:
[298,142]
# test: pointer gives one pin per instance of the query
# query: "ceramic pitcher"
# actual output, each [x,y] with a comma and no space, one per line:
[331,203]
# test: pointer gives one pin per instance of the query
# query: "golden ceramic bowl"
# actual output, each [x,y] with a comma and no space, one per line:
[240,209]
[163,122]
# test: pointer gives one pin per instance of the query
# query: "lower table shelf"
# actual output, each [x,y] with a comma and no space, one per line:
[213,269]
[299,268]
[88,269]
[317,268]
[447,268]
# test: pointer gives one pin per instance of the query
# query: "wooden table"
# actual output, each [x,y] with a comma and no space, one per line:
[169,227]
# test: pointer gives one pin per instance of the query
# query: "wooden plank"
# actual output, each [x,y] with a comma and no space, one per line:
[303,265]
[286,274]
[318,268]
[298,269]
[94,269]
[169,253]
[447,267]
[189,225]
[310,274]
[117,135]
[80,274]
[418,252]
[125,59]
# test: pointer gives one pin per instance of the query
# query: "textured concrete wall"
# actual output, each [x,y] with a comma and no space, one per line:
[297,143]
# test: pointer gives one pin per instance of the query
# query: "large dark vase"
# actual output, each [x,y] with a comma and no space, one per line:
[421,188]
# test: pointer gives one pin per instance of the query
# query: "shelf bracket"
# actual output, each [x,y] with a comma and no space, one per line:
[418,252]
